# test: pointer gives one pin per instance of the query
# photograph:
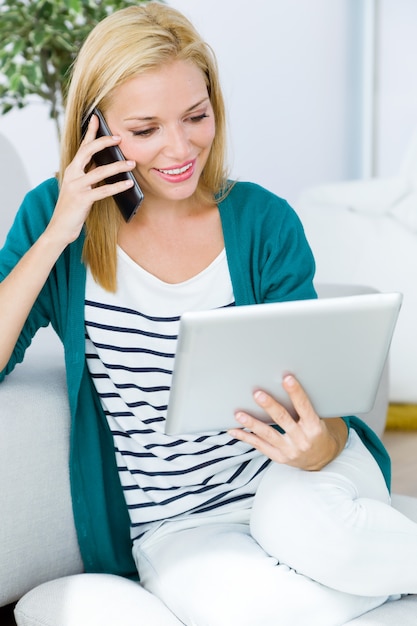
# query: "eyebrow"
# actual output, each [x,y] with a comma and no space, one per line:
[153,117]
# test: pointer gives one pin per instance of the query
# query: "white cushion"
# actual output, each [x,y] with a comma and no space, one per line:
[407,505]
[92,600]
[401,612]
[105,600]
[405,211]
[352,247]
[372,196]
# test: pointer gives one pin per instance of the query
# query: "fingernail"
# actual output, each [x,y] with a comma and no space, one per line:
[241,418]
[289,380]
[260,396]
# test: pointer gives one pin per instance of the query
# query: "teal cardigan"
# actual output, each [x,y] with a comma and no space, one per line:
[269,260]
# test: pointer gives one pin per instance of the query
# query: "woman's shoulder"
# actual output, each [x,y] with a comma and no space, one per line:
[39,203]
[247,193]
[46,193]
[33,215]
[249,200]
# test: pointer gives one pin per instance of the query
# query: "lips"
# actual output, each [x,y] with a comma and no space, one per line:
[177,173]
[177,170]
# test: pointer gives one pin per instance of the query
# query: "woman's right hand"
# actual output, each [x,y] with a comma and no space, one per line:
[79,190]
[80,186]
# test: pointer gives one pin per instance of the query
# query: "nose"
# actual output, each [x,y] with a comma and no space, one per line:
[177,142]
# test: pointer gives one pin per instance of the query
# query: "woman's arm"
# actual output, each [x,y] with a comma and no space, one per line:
[20,289]
[79,190]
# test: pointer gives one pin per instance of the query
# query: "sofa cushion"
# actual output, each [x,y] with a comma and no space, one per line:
[93,600]
[37,534]
[106,600]
[407,505]
[402,612]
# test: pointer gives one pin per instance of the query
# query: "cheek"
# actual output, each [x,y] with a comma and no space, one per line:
[136,152]
[207,135]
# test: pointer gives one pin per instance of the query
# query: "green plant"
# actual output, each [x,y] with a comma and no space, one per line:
[39,40]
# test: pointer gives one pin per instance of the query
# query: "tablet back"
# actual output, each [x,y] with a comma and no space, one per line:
[336,347]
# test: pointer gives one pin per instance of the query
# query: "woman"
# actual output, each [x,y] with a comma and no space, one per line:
[225,528]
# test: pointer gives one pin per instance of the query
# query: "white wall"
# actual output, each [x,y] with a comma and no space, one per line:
[283,68]
[290,71]
[288,100]
[396,104]
[33,135]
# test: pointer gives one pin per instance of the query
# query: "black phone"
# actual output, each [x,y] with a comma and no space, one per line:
[130,200]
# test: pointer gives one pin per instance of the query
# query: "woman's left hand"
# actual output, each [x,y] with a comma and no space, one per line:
[308,443]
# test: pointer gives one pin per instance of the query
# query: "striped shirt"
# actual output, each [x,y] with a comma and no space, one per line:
[131,339]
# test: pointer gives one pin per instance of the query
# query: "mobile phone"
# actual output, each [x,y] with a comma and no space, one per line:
[130,200]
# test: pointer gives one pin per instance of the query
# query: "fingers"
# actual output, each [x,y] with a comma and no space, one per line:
[302,409]
[278,413]
[91,145]
[92,128]
[262,437]
[103,172]
[299,399]
[291,439]
[306,441]
[91,183]
[82,167]
[84,184]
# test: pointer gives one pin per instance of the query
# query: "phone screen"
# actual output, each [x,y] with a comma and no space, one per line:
[128,201]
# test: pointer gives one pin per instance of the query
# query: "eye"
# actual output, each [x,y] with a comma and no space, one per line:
[147,132]
[198,118]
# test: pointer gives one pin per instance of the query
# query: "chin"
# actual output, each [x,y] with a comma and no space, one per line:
[181,192]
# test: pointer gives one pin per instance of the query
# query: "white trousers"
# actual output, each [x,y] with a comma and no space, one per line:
[317,548]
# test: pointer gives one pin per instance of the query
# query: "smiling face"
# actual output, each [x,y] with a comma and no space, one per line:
[166,123]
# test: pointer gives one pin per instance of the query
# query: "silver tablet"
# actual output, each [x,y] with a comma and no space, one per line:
[336,347]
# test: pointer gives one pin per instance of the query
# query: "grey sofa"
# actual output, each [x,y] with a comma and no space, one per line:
[40,564]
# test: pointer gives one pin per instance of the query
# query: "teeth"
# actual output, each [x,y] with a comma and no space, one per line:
[177,170]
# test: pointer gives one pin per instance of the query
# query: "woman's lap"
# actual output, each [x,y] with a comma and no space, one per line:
[217,575]
[219,571]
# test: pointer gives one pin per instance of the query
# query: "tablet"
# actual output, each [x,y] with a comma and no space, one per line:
[336,347]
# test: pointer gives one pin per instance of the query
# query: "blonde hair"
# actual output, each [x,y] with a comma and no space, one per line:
[127,43]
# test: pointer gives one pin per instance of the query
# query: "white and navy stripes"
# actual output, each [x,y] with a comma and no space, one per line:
[130,348]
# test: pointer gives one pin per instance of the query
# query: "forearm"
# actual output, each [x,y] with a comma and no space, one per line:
[19,290]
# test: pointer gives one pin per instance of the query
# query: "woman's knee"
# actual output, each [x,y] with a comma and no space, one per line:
[299,516]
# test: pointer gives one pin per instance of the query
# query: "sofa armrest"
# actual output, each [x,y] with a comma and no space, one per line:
[37,535]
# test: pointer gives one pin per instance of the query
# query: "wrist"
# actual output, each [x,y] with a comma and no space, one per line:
[338,432]
[336,437]
[53,240]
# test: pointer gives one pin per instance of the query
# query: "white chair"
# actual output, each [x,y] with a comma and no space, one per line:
[365,231]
